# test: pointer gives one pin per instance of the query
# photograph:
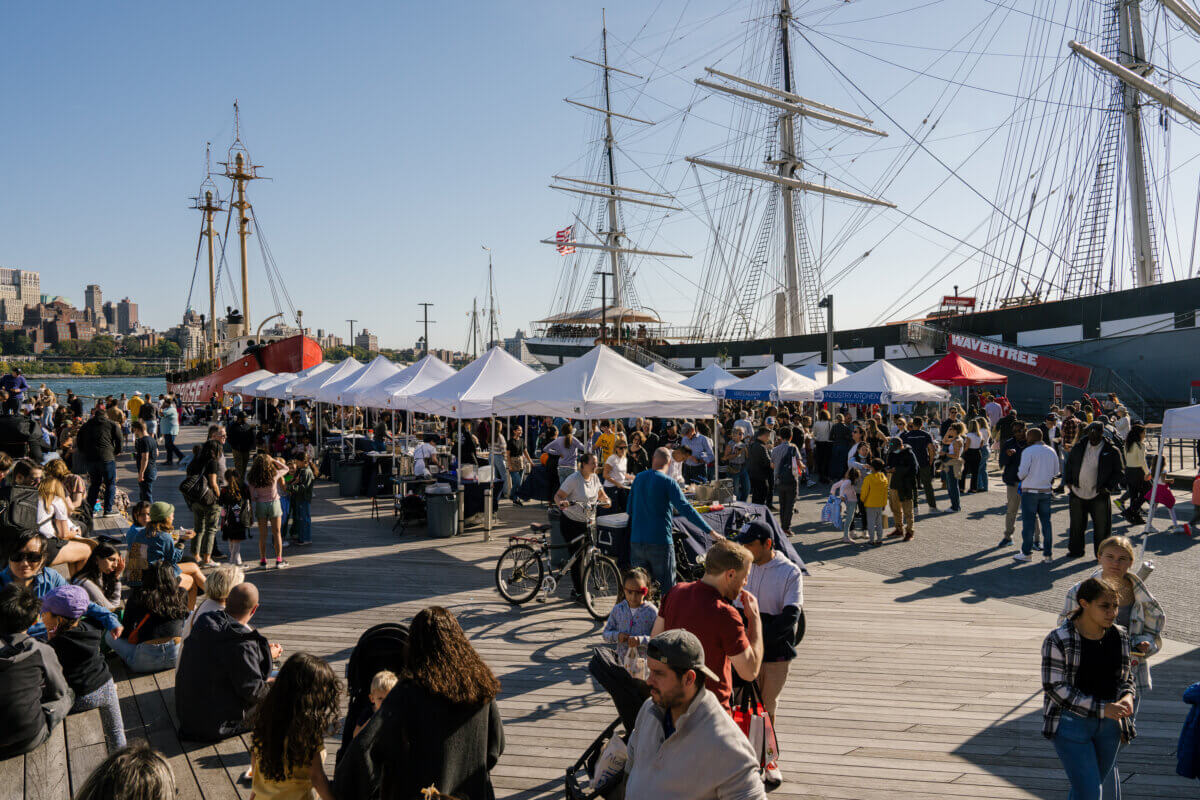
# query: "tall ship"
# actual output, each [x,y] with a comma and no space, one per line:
[1085,281]
[231,347]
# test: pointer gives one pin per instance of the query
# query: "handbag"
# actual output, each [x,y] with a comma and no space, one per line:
[195,489]
[752,718]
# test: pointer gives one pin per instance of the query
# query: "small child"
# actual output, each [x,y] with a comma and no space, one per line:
[846,490]
[875,497]
[300,491]
[383,682]
[1163,496]
[632,619]
[235,514]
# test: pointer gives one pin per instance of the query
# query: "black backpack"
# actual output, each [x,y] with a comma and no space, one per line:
[18,515]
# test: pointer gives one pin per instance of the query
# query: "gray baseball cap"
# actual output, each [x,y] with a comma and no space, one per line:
[680,650]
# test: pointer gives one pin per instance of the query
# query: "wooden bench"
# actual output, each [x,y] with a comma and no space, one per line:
[58,768]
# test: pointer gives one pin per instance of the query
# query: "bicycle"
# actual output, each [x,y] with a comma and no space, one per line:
[521,571]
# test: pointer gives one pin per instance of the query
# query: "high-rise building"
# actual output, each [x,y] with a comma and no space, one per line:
[367,341]
[127,316]
[19,289]
[93,302]
[110,315]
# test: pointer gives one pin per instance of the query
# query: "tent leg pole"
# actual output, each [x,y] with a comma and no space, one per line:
[491,484]
[460,491]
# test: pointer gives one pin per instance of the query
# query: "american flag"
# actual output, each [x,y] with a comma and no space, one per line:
[567,236]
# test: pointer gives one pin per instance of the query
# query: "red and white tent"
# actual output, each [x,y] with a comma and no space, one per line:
[954,370]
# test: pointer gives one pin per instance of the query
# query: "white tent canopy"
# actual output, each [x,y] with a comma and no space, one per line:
[309,386]
[664,371]
[418,377]
[774,382]
[379,370]
[237,384]
[470,392]
[1181,423]
[819,372]
[279,391]
[711,379]
[881,383]
[260,388]
[603,384]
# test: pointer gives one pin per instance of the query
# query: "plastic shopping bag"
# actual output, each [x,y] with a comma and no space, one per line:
[610,764]
[831,512]
[635,663]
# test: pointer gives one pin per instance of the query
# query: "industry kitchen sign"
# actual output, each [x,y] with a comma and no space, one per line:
[1002,355]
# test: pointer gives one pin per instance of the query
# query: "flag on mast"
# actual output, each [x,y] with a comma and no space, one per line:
[567,237]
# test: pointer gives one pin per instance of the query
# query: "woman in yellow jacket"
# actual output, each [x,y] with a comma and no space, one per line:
[874,496]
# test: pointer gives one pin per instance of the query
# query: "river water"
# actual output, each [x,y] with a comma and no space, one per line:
[100,386]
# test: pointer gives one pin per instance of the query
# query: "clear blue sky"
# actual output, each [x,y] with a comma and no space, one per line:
[401,136]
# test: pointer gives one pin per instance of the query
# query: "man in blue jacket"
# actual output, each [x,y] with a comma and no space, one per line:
[652,500]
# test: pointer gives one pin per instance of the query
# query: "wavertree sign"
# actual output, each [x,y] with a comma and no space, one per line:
[1026,361]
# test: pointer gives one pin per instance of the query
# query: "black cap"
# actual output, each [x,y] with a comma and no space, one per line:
[680,650]
[756,530]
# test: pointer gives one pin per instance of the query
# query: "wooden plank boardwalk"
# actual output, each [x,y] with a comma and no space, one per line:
[937,697]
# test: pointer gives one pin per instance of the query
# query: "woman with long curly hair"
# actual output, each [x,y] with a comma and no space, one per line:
[288,731]
[440,725]
[263,479]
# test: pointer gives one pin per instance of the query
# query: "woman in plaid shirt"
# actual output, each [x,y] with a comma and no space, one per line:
[1089,689]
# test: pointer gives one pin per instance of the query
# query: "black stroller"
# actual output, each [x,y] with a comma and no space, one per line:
[628,694]
[381,647]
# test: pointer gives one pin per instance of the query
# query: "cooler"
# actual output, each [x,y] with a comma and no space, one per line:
[612,537]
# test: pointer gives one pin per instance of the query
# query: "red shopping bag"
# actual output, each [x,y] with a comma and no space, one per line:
[752,718]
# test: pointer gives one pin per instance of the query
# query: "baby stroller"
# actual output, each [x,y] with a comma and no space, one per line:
[628,694]
[384,646]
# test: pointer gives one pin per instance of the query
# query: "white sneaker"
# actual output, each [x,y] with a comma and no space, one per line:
[1019,556]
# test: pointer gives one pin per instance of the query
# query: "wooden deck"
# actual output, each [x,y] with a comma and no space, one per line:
[935,697]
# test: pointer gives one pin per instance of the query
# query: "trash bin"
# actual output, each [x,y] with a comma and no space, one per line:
[350,478]
[442,513]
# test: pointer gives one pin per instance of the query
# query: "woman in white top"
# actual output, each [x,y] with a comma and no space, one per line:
[578,497]
[499,449]
[616,475]
[821,430]
[971,458]
[424,457]
[64,544]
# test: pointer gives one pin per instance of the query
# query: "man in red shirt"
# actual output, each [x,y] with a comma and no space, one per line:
[705,608]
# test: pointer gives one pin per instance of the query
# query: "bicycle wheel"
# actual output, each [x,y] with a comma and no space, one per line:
[601,585]
[519,573]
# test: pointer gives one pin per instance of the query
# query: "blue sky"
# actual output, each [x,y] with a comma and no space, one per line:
[402,136]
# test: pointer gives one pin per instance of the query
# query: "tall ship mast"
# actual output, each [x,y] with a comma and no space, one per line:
[231,348]
[1084,281]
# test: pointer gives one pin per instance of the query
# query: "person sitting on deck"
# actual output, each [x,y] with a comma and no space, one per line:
[158,542]
[101,576]
[224,670]
[34,695]
[155,613]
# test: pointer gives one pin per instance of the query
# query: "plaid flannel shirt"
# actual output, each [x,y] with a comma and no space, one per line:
[1146,621]
[1061,653]
[1069,430]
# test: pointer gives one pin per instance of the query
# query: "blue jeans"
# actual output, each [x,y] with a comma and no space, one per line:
[102,472]
[981,479]
[145,657]
[1088,749]
[659,559]
[302,520]
[146,487]
[952,487]
[1035,506]
[499,470]
[741,484]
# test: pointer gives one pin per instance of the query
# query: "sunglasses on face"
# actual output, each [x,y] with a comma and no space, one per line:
[28,558]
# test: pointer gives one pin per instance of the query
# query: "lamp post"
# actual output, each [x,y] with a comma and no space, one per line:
[826,303]
[604,304]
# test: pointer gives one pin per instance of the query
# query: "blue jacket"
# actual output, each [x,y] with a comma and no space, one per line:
[159,546]
[1189,737]
[1010,464]
[49,579]
[651,501]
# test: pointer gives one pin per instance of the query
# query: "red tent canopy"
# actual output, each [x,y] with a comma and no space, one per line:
[954,370]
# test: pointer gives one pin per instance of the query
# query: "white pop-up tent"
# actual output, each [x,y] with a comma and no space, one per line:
[774,382]
[469,393]
[260,388]
[1178,423]
[307,388]
[881,383]
[820,373]
[428,371]
[711,380]
[603,384]
[236,385]
[357,387]
[330,392]
[663,371]
[279,391]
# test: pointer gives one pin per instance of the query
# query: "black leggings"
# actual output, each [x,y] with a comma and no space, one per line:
[1135,482]
[971,458]
[573,530]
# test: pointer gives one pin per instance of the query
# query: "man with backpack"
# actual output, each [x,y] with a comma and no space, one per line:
[759,467]
[99,441]
[19,503]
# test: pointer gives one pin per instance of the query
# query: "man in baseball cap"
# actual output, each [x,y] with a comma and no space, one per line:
[685,746]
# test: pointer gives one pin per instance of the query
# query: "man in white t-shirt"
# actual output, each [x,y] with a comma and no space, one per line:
[424,456]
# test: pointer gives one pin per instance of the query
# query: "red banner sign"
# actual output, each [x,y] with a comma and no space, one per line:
[950,301]
[1026,361]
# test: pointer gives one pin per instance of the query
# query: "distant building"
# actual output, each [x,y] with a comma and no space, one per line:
[328,341]
[517,348]
[368,341]
[48,324]
[127,316]
[93,304]
[19,288]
